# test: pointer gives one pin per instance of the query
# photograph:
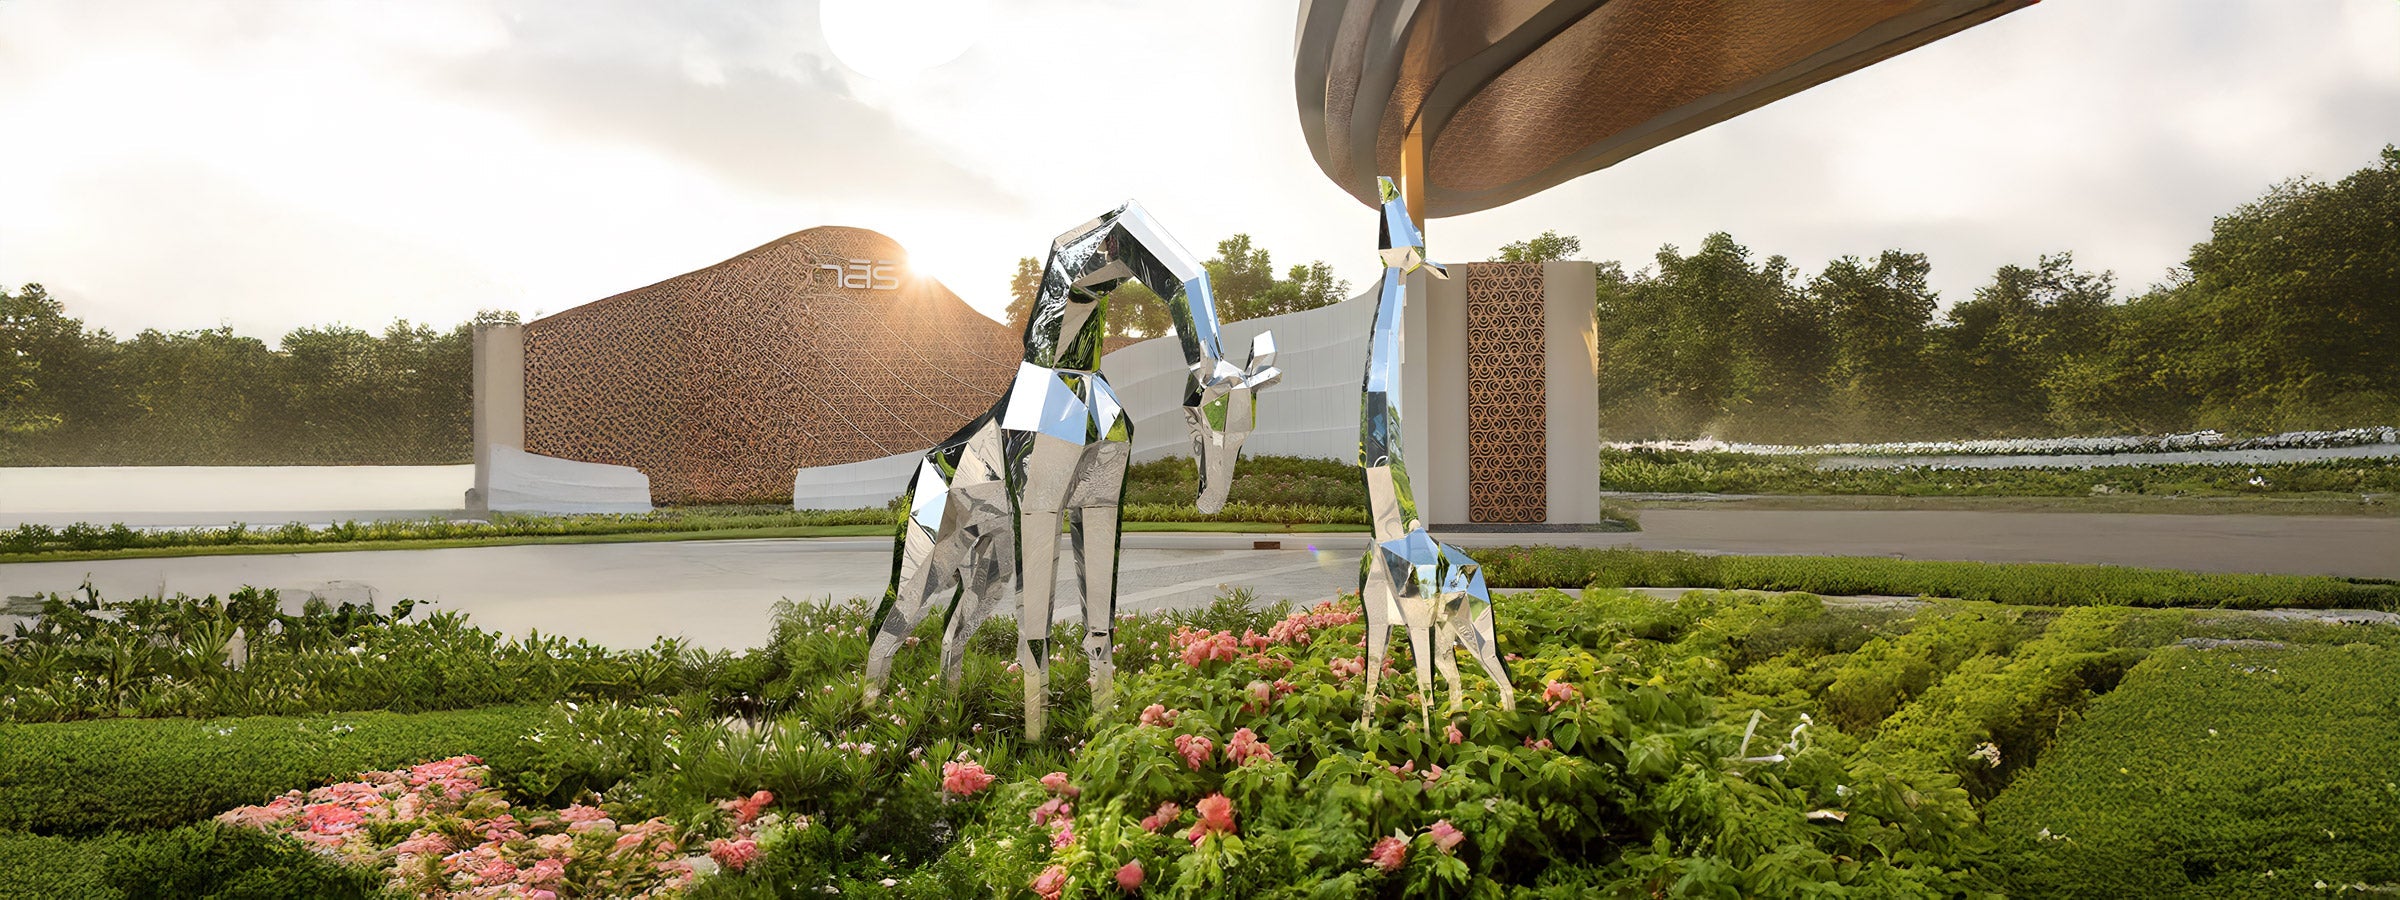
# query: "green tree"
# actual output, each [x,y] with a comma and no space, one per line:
[1241,275]
[1545,247]
[1880,315]
[1998,349]
[1022,287]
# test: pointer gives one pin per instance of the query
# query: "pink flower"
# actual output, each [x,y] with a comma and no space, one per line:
[424,842]
[1065,836]
[1245,746]
[544,872]
[1166,815]
[1446,836]
[1159,715]
[1051,883]
[1454,734]
[1344,667]
[1129,877]
[1053,808]
[1558,693]
[1056,783]
[540,894]
[330,818]
[1216,817]
[746,810]
[1261,694]
[733,854]
[589,826]
[581,813]
[1543,744]
[496,871]
[1388,854]
[553,844]
[965,778]
[1195,749]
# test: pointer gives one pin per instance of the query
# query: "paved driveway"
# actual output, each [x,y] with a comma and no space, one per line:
[718,593]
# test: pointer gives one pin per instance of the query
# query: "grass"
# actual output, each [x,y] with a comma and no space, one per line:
[2038,584]
[85,778]
[1675,471]
[2099,727]
[2138,504]
[2263,772]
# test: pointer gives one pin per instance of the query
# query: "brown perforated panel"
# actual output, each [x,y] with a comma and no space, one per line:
[1507,419]
[719,383]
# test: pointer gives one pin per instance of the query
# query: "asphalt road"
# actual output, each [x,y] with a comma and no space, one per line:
[718,593]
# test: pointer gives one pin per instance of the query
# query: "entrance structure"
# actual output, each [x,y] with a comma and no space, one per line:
[818,348]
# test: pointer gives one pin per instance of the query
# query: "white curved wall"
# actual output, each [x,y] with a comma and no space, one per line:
[1312,412]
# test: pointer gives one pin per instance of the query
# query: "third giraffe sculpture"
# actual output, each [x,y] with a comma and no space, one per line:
[1432,588]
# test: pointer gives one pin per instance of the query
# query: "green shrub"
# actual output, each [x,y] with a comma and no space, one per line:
[201,861]
[2218,773]
[83,778]
[2029,584]
[88,657]
[1686,472]
[2013,703]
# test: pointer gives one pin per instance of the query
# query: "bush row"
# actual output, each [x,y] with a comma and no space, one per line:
[1677,471]
[2033,584]
[2227,772]
[84,778]
[86,657]
[30,538]
[203,861]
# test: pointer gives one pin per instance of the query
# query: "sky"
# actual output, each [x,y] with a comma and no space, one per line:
[181,164]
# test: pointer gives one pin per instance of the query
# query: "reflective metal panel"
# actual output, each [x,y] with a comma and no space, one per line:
[988,503]
[1408,578]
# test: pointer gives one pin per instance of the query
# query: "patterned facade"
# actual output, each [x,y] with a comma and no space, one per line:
[819,348]
[1507,401]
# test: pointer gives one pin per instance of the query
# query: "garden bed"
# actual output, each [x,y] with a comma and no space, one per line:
[1723,744]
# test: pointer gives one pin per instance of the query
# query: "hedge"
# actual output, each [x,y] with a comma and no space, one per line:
[84,778]
[2025,584]
[199,862]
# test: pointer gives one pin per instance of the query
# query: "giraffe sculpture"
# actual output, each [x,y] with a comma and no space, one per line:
[986,503]
[1434,589]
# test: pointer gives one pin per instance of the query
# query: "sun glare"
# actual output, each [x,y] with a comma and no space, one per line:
[894,39]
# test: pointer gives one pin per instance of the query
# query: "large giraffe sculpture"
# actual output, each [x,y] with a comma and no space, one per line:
[1432,588]
[986,503]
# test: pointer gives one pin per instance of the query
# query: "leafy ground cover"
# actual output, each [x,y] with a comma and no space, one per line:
[2236,771]
[1683,471]
[1724,744]
[1271,493]
[2041,584]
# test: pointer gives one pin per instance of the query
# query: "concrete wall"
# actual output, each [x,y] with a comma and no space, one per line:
[1312,412]
[499,382]
[1572,394]
[854,485]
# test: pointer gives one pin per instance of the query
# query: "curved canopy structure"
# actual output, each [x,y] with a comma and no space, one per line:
[1481,102]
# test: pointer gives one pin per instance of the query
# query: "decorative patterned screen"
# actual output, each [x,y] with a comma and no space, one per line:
[1507,427]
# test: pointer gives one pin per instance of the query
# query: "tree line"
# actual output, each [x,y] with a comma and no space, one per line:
[1241,276]
[333,395]
[2286,318]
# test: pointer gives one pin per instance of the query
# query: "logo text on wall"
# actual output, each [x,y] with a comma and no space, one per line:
[866,274]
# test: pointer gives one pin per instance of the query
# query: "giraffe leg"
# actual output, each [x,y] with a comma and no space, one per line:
[1375,596]
[919,573]
[1420,642]
[1445,656]
[1481,639]
[1096,541]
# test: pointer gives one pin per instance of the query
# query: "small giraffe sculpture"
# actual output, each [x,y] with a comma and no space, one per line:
[986,503]
[1432,588]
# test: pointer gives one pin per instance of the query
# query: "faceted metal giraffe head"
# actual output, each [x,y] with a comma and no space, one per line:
[1221,407]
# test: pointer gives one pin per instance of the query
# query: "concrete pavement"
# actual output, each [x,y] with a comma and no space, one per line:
[717,593]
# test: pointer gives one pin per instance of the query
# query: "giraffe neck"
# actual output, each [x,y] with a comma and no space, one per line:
[1391,503]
